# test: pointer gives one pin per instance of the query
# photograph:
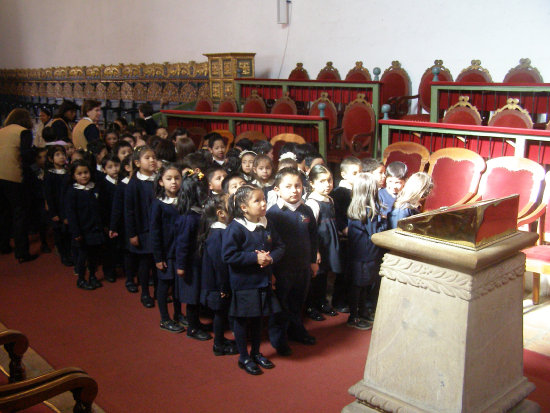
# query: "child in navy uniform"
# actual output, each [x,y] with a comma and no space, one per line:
[329,246]
[250,246]
[39,216]
[107,189]
[215,288]
[411,198]
[363,256]
[164,214]
[138,198]
[396,173]
[188,263]
[295,223]
[85,224]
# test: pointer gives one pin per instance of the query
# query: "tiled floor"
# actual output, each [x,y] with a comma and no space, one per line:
[536,325]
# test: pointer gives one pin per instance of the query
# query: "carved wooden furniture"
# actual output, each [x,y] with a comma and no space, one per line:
[204,105]
[395,83]
[523,73]
[474,74]
[224,68]
[328,73]
[412,154]
[16,344]
[512,115]
[298,73]
[253,135]
[462,113]
[358,74]
[284,106]
[278,142]
[228,137]
[456,173]
[254,104]
[197,134]
[228,105]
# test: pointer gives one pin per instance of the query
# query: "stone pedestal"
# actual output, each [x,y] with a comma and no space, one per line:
[448,334]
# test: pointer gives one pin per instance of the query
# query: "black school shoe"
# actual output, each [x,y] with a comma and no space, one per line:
[328,310]
[198,334]
[147,301]
[181,320]
[284,350]
[95,282]
[131,287]
[171,326]
[262,361]
[368,314]
[85,285]
[314,314]
[227,349]
[306,339]
[359,323]
[250,367]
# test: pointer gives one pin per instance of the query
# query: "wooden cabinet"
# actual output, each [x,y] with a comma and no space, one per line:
[224,68]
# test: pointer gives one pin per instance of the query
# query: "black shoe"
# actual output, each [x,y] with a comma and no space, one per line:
[198,334]
[250,367]
[147,301]
[132,287]
[225,350]
[27,258]
[228,342]
[95,282]
[262,361]
[342,308]
[306,339]
[284,351]
[85,285]
[110,278]
[171,326]
[314,314]
[368,315]
[181,320]
[45,249]
[328,310]
[206,327]
[359,323]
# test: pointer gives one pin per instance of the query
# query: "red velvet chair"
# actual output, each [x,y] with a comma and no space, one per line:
[204,105]
[475,74]
[462,113]
[511,115]
[456,173]
[328,73]
[284,106]
[228,105]
[197,134]
[253,135]
[396,83]
[331,113]
[523,73]
[510,175]
[299,73]
[254,104]
[279,140]
[412,154]
[358,74]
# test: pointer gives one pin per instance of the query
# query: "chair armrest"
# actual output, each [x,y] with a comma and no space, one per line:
[16,344]
[475,198]
[399,105]
[533,216]
[361,142]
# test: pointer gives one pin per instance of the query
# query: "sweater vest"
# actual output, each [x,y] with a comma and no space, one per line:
[10,153]
[79,140]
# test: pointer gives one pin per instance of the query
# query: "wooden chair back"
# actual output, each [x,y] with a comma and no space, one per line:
[523,73]
[511,115]
[279,140]
[228,137]
[424,89]
[358,74]
[228,105]
[329,73]
[204,105]
[284,106]
[358,124]
[253,135]
[396,82]
[510,175]
[475,74]
[412,154]
[462,113]
[196,133]
[330,110]
[298,73]
[254,103]
[456,173]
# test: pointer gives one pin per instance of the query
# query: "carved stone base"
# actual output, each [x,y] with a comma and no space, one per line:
[445,340]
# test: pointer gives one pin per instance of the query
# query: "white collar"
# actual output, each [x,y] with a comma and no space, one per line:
[148,117]
[318,197]
[125,180]
[251,226]
[143,177]
[87,187]
[345,184]
[196,209]
[62,143]
[111,180]
[219,162]
[259,184]
[168,200]
[99,168]
[58,171]
[215,193]
[87,118]
[218,225]
[293,207]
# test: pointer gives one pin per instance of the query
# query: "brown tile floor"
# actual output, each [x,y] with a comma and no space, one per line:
[536,325]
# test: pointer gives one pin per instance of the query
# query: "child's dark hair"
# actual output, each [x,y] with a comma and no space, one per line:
[192,193]
[76,164]
[48,134]
[38,151]
[146,109]
[127,135]
[317,171]
[213,137]
[397,170]
[122,144]
[51,152]
[240,197]
[232,161]
[110,157]
[262,147]
[245,144]
[166,151]
[311,156]
[349,161]
[212,170]
[210,215]
[228,179]
[138,153]
[195,160]
[177,132]
[207,156]
[160,191]
[284,172]
[95,147]
[113,128]
[302,150]
[288,147]
[123,172]
[370,164]
[184,147]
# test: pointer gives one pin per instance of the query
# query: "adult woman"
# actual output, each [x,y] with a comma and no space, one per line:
[44,116]
[61,122]
[15,154]
[86,129]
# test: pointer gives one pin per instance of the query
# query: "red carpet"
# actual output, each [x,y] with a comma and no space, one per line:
[140,368]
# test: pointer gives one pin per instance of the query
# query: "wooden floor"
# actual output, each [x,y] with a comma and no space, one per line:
[536,326]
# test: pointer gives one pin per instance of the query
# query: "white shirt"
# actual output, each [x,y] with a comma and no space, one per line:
[170,201]
[293,207]
[143,177]
[87,187]
[126,180]
[314,205]
[218,225]
[58,171]
[111,180]
[219,162]
[345,184]
[251,226]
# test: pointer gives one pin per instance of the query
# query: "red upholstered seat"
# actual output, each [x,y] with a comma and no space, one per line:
[456,173]
[358,126]
[228,105]
[396,82]
[511,115]
[284,106]
[412,154]
[328,73]
[330,112]
[299,73]
[462,113]
[523,73]
[204,105]
[475,74]
[358,74]
[254,104]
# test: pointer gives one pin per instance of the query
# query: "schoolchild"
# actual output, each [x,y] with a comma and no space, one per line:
[247,163]
[145,111]
[349,168]
[122,149]
[164,213]
[56,183]
[232,163]
[195,162]
[128,137]
[98,149]
[117,229]
[377,169]
[162,132]
[107,189]
[251,246]
[39,216]
[328,256]
[287,161]
[138,197]
[215,288]
[216,146]
[215,176]
[396,174]
[85,226]
[262,147]
[232,182]
[244,144]
[364,257]
[263,171]
[312,159]
[188,263]
[295,223]
[111,138]
[411,198]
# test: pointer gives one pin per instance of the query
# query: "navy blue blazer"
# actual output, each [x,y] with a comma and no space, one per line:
[107,192]
[360,246]
[238,248]
[163,235]
[386,202]
[116,222]
[342,198]
[138,198]
[55,188]
[83,214]
[187,227]
[399,213]
[215,273]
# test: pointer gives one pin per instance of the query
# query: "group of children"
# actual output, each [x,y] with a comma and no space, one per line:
[227,231]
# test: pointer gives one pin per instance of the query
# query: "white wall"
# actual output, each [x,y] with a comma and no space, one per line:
[44,33]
